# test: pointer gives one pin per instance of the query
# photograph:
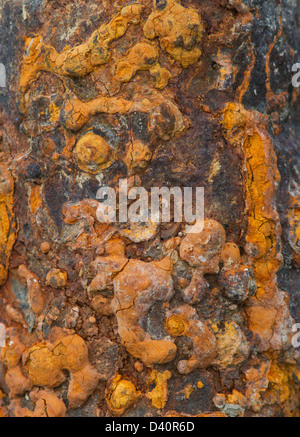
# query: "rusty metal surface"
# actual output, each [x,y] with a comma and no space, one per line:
[124,320]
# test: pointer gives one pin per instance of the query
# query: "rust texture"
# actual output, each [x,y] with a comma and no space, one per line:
[145,319]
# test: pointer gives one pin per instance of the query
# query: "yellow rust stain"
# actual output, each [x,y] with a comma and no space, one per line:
[176,325]
[188,391]
[8,223]
[200,384]
[264,226]
[159,395]
[262,179]
[54,112]
[121,395]
[282,385]
[233,348]
[248,130]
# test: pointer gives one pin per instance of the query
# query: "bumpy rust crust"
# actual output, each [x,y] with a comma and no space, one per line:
[179,30]
[137,289]
[78,61]
[44,364]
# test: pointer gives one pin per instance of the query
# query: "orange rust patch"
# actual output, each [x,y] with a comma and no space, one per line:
[159,395]
[35,199]
[77,61]
[44,364]
[268,312]
[8,223]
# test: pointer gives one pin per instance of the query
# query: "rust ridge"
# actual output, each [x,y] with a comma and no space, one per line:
[109,318]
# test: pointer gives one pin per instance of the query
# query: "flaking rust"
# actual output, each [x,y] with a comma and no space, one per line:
[146,319]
